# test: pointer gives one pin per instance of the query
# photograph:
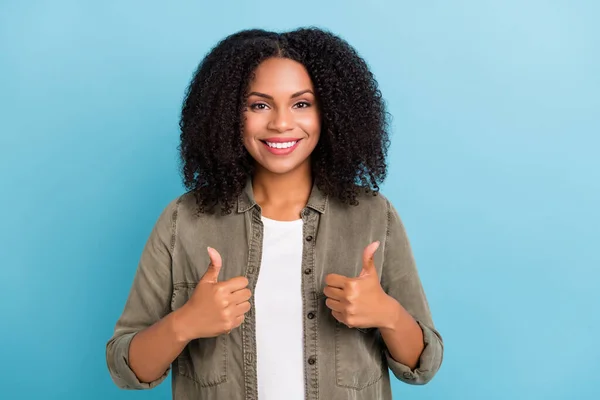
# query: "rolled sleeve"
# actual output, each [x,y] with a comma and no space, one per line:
[429,361]
[400,279]
[148,302]
[117,358]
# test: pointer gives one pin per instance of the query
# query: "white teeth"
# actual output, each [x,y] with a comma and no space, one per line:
[285,145]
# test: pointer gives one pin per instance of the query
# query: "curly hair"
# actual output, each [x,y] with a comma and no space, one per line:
[350,156]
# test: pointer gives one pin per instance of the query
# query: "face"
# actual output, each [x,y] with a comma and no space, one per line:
[282,121]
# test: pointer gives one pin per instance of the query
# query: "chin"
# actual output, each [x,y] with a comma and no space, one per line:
[281,168]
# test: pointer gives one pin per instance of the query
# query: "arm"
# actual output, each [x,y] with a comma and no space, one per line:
[413,348]
[145,339]
[402,335]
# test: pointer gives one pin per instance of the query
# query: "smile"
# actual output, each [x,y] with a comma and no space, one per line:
[281,149]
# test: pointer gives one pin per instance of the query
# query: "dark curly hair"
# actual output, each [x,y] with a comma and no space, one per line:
[350,156]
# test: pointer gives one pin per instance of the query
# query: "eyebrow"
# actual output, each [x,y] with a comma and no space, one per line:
[266,96]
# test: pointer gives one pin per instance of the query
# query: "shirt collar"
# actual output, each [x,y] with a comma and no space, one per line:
[317,200]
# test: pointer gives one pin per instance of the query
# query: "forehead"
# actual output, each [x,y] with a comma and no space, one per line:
[280,75]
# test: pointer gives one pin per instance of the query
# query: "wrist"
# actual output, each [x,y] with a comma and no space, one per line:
[178,326]
[391,315]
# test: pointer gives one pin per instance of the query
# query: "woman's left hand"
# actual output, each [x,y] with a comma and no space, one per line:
[360,302]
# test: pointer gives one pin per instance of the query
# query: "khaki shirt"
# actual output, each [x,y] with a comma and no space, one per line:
[340,362]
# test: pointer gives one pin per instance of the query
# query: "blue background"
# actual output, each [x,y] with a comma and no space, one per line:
[494,168]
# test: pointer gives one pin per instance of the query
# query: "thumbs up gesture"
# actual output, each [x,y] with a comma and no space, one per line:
[358,302]
[215,307]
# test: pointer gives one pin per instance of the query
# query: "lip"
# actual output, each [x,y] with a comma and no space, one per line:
[280,140]
[281,152]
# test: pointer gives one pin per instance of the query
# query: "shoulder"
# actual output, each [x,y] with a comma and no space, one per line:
[374,210]
[184,210]
[181,207]
[368,203]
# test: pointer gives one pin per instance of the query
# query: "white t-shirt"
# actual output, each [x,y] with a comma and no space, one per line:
[279,314]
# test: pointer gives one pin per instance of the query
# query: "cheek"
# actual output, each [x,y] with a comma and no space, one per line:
[310,123]
[251,127]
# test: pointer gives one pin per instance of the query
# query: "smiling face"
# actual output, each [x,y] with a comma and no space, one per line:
[281,118]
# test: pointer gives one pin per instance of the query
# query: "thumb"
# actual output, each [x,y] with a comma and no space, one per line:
[212,274]
[368,263]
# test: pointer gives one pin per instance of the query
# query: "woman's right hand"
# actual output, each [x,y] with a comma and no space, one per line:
[214,308]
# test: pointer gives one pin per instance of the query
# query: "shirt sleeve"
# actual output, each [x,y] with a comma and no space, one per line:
[149,301]
[400,279]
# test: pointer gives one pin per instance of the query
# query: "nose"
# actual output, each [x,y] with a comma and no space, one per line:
[282,121]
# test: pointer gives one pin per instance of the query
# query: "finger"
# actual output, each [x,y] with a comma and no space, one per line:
[212,274]
[368,262]
[242,309]
[335,280]
[239,320]
[236,284]
[235,324]
[241,296]
[339,316]
[334,305]
[334,293]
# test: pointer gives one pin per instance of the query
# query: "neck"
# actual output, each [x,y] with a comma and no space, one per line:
[272,189]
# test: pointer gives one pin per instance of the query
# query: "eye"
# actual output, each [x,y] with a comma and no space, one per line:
[302,104]
[258,106]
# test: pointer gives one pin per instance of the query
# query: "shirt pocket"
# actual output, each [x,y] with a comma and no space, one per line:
[202,360]
[359,359]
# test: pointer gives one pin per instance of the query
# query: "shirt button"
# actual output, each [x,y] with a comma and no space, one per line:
[311,315]
[312,361]
[307,271]
[309,238]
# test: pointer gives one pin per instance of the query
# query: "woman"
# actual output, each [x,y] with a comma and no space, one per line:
[283,273]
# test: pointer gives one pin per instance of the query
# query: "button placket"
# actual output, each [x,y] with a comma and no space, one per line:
[310,298]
